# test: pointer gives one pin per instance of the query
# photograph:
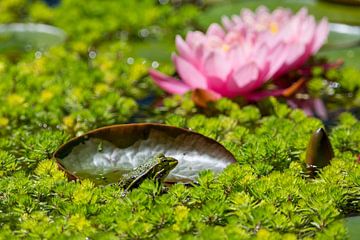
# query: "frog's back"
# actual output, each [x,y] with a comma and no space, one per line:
[138,175]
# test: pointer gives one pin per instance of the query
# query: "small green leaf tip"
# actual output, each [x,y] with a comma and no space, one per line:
[319,151]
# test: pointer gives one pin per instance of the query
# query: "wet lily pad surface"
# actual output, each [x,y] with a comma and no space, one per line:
[343,36]
[18,37]
[105,154]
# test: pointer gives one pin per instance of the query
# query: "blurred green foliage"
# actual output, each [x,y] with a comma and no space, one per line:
[94,80]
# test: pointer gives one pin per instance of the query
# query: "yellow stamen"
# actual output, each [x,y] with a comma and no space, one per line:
[225,47]
[274,27]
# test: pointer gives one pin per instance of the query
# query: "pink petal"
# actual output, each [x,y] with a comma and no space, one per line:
[237,20]
[260,95]
[199,54]
[228,24]
[262,11]
[183,49]
[303,12]
[169,84]
[321,35]
[302,59]
[276,59]
[308,30]
[261,56]
[281,14]
[247,16]
[189,74]
[217,85]
[236,56]
[290,32]
[320,108]
[295,51]
[306,107]
[245,75]
[193,39]
[243,79]
[262,63]
[215,30]
[217,64]
[262,77]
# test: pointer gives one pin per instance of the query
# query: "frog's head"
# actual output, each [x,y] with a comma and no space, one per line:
[166,162]
[163,166]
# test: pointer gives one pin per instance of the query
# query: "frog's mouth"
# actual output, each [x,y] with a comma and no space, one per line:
[103,161]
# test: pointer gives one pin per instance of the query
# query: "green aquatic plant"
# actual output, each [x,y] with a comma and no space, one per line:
[93,80]
[264,194]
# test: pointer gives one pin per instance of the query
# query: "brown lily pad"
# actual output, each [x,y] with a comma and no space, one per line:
[105,154]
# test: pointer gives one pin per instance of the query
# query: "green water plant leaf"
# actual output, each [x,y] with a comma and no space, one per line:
[19,37]
[153,50]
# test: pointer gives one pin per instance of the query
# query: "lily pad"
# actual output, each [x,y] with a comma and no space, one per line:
[19,37]
[351,2]
[350,56]
[334,12]
[153,50]
[343,36]
[106,154]
[353,226]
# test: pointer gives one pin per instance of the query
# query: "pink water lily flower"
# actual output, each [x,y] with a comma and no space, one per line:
[238,58]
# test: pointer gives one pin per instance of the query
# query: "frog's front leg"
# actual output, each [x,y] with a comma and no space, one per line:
[159,175]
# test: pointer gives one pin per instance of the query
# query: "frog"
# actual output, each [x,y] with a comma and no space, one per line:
[157,169]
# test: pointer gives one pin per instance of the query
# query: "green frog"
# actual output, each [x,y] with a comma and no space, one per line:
[156,169]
